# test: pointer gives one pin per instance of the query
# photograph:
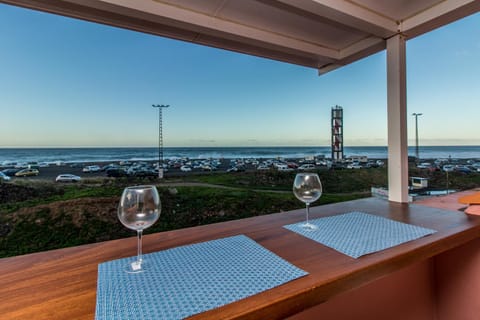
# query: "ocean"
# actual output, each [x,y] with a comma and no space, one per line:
[72,155]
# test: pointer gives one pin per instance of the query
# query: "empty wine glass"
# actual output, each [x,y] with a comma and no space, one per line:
[307,188]
[139,209]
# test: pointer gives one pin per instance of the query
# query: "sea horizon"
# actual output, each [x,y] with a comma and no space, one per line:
[113,154]
[231,146]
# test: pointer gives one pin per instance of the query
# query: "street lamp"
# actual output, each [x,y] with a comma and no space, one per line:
[160,139]
[416,115]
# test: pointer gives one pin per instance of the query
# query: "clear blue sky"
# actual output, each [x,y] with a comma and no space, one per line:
[66,82]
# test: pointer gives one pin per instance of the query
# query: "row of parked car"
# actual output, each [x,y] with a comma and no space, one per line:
[238,165]
[463,168]
[141,169]
[306,165]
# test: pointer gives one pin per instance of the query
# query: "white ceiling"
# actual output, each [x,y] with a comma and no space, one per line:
[323,34]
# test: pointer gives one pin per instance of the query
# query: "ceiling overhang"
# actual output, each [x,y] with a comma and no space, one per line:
[322,34]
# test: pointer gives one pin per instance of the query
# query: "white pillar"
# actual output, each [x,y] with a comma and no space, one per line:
[397,120]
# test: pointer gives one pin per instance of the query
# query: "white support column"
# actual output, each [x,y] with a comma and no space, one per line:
[397,120]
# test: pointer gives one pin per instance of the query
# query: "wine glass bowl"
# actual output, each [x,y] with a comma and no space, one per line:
[307,188]
[139,208]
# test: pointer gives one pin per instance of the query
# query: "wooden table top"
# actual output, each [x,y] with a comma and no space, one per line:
[61,284]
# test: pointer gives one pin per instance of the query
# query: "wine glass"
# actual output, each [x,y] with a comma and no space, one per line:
[307,188]
[139,209]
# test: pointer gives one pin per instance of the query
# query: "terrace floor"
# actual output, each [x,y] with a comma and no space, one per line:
[448,202]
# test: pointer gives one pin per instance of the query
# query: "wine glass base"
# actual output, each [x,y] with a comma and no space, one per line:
[135,267]
[308,226]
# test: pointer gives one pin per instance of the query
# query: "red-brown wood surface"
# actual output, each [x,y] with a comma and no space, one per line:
[61,284]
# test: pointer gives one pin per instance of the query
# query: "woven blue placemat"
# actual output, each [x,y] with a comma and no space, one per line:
[186,280]
[357,233]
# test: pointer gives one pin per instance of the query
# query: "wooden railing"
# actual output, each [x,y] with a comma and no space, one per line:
[61,284]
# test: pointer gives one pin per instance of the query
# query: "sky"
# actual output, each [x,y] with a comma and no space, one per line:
[71,83]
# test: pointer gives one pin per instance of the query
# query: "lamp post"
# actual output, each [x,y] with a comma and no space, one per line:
[160,138]
[416,115]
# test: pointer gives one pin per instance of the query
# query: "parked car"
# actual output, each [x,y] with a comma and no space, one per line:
[371,164]
[186,168]
[109,166]
[4,177]
[424,165]
[292,165]
[448,168]
[67,178]
[116,172]
[354,165]
[146,173]
[93,168]
[238,168]
[263,167]
[10,172]
[27,173]
[463,169]
[76,165]
[305,167]
[283,167]
[21,165]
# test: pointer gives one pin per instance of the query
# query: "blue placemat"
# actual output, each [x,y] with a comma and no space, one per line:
[356,233]
[183,281]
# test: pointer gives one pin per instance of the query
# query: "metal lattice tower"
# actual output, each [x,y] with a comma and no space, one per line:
[160,133]
[337,133]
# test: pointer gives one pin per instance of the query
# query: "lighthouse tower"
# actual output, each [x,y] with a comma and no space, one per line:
[337,133]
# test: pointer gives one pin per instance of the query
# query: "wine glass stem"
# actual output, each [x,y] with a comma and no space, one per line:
[308,210]
[139,246]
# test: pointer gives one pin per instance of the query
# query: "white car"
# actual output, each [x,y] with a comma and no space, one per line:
[185,168]
[448,168]
[4,177]
[304,167]
[283,167]
[354,165]
[424,165]
[91,169]
[68,178]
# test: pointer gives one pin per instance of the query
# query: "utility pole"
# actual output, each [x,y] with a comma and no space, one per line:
[160,138]
[416,115]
